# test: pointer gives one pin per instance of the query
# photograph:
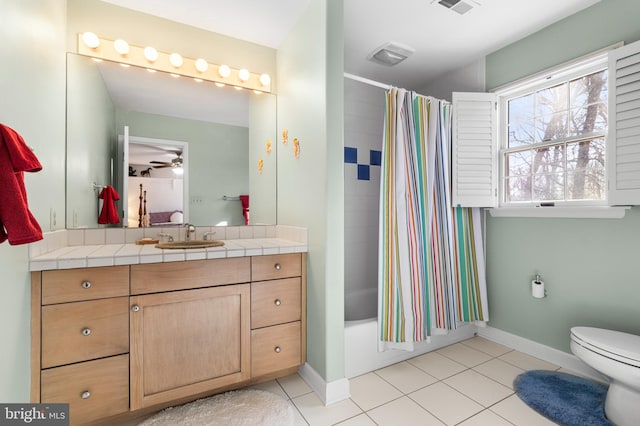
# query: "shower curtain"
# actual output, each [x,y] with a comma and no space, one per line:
[431,275]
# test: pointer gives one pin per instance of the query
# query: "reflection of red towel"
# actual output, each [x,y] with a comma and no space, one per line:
[109,213]
[244,199]
[17,224]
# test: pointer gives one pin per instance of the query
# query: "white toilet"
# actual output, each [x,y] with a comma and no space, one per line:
[617,356]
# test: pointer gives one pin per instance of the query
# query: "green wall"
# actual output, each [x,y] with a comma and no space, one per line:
[310,188]
[32,83]
[598,26]
[91,134]
[590,266]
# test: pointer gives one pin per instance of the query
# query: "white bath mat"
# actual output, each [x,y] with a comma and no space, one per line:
[237,408]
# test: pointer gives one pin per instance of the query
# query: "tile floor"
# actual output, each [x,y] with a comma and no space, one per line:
[467,384]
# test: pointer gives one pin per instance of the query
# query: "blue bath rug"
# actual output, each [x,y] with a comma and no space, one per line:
[563,398]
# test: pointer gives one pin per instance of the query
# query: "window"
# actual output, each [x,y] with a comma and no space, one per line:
[569,137]
[553,137]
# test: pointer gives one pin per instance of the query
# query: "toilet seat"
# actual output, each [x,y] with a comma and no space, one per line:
[621,347]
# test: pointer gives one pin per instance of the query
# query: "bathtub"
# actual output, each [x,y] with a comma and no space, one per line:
[361,346]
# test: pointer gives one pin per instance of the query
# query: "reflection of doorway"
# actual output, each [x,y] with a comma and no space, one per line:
[161,167]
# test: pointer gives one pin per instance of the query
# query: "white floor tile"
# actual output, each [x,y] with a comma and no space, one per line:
[486,418]
[437,365]
[527,362]
[464,355]
[519,413]
[294,386]
[487,346]
[273,387]
[406,377]
[361,420]
[403,411]
[478,387]
[370,390]
[298,420]
[447,404]
[500,371]
[316,413]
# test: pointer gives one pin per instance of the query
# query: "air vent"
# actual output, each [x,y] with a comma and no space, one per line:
[456,5]
[390,54]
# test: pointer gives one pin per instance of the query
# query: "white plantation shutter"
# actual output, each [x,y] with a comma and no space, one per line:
[623,145]
[474,166]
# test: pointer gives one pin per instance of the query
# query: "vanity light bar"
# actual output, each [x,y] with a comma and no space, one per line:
[169,62]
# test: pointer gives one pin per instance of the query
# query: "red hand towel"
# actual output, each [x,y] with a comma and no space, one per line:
[17,224]
[109,213]
[244,199]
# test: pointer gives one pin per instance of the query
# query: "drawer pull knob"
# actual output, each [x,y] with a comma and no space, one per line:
[85,395]
[277,349]
[277,266]
[277,302]
[86,331]
[86,284]
[135,308]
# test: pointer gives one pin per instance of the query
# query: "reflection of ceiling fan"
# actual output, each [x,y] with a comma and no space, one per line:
[176,162]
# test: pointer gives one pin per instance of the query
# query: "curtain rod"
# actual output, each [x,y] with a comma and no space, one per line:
[367,81]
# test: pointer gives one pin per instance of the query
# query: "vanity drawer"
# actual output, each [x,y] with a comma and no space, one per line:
[275,348]
[275,302]
[73,285]
[80,331]
[93,389]
[159,277]
[275,266]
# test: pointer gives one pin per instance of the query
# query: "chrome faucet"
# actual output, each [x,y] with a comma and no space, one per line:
[189,230]
[207,234]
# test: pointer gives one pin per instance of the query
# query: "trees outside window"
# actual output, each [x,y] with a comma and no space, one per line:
[554,149]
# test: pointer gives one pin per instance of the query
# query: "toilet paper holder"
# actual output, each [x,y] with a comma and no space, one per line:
[538,289]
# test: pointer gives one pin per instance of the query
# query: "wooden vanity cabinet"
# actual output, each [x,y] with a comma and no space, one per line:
[188,342]
[278,312]
[80,333]
[137,338]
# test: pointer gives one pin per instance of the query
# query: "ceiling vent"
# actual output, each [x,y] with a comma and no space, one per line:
[459,6]
[390,54]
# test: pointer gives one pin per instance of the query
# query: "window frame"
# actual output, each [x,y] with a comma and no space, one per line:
[564,73]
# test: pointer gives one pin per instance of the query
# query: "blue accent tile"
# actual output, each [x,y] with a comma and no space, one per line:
[375,158]
[350,155]
[363,172]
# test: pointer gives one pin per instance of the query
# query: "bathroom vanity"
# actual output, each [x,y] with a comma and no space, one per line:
[127,340]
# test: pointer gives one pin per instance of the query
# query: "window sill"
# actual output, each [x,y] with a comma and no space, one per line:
[604,212]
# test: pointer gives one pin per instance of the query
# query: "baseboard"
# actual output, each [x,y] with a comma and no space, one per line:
[328,392]
[543,352]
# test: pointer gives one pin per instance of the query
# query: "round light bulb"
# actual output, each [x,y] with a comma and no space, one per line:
[224,71]
[243,74]
[150,53]
[175,59]
[201,65]
[265,79]
[91,40]
[121,46]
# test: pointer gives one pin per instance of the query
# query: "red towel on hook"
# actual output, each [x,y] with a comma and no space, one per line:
[17,224]
[109,213]
[244,199]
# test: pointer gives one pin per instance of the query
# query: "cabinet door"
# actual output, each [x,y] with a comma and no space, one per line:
[187,342]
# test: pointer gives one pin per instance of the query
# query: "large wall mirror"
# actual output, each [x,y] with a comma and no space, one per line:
[228,134]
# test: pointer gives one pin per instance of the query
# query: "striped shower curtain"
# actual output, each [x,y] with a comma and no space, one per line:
[431,274]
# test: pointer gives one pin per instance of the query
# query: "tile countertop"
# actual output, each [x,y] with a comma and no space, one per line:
[87,256]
